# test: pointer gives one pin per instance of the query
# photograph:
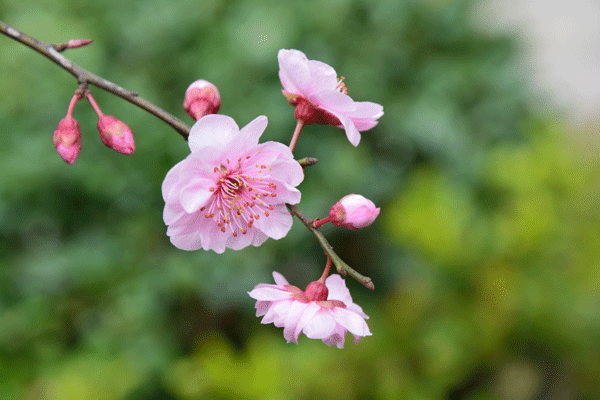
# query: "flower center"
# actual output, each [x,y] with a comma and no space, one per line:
[242,194]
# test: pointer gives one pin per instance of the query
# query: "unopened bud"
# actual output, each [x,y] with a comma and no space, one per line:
[67,139]
[316,291]
[353,211]
[116,134]
[201,98]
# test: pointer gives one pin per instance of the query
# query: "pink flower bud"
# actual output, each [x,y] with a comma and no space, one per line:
[316,291]
[353,211]
[201,98]
[116,134]
[67,139]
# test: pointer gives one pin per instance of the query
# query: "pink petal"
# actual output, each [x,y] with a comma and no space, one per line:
[337,289]
[262,307]
[323,77]
[196,193]
[250,133]
[294,71]
[171,179]
[278,312]
[279,279]
[366,110]
[351,321]
[332,100]
[277,224]
[212,131]
[189,241]
[351,132]
[320,326]
[338,337]
[272,293]
[294,313]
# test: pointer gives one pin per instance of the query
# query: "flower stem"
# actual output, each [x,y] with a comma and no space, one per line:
[299,126]
[94,104]
[340,265]
[326,271]
[74,100]
[320,222]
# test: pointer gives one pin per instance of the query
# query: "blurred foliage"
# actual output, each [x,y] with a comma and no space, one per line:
[485,256]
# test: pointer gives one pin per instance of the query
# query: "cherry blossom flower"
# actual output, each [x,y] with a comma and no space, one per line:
[230,192]
[325,312]
[314,89]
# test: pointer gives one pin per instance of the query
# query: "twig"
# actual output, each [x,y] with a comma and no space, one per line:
[84,77]
[341,266]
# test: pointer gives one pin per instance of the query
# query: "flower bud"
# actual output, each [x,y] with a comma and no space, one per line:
[353,211]
[116,134]
[316,291]
[201,98]
[67,139]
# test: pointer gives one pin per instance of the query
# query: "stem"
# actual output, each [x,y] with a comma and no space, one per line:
[340,265]
[299,126]
[94,104]
[74,100]
[320,222]
[326,271]
[83,76]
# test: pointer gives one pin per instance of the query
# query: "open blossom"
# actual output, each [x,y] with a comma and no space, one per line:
[325,313]
[314,89]
[230,192]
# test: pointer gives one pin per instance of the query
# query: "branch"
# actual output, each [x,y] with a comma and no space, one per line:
[342,267]
[84,77]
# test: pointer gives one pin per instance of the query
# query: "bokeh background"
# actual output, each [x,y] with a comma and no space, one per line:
[485,257]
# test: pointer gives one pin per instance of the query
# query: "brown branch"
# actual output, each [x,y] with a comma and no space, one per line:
[84,77]
[341,266]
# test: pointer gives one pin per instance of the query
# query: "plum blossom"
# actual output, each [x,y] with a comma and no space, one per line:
[325,312]
[314,89]
[230,191]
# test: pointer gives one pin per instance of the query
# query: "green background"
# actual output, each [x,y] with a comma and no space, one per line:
[485,255]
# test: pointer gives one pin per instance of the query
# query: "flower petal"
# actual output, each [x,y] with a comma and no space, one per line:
[250,133]
[351,321]
[212,131]
[272,293]
[279,279]
[320,326]
[294,71]
[195,194]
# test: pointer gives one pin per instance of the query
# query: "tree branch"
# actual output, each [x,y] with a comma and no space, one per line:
[84,77]
[341,266]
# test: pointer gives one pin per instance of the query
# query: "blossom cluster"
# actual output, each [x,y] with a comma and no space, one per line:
[232,192]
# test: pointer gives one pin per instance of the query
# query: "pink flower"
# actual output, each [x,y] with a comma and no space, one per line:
[67,139]
[353,212]
[314,89]
[230,191]
[201,98]
[326,318]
